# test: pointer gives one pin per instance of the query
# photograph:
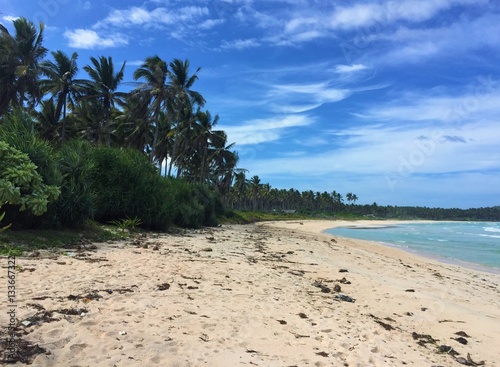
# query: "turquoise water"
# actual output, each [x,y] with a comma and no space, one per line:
[470,242]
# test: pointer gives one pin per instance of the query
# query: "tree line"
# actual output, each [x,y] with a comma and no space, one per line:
[162,116]
[93,146]
[81,148]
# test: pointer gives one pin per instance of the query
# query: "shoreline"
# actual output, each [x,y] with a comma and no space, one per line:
[390,223]
[268,294]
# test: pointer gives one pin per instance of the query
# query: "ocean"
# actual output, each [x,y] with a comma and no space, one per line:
[463,243]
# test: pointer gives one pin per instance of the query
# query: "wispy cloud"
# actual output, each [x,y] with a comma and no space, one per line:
[381,150]
[368,14]
[139,16]
[210,23]
[341,69]
[305,96]
[240,44]
[459,37]
[265,130]
[482,101]
[90,39]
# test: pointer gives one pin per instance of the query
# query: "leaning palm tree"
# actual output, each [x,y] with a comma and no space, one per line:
[60,83]
[103,87]
[19,64]
[154,72]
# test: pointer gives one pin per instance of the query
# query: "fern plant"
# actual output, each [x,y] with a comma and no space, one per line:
[128,224]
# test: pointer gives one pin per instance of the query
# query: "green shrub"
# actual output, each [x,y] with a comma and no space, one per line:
[126,185]
[189,212]
[196,206]
[211,203]
[21,186]
[18,130]
[128,224]
[76,203]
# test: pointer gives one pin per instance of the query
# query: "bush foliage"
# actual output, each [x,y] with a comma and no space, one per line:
[21,186]
[77,201]
[126,185]
[103,184]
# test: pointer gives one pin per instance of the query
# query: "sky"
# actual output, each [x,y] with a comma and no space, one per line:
[397,102]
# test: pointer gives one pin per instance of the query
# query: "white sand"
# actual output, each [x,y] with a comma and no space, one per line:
[239,303]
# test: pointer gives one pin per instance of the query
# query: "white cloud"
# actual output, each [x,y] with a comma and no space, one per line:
[210,23]
[294,108]
[356,16]
[483,101]
[289,97]
[363,15]
[349,68]
[240,44]
[9,18]
[299,23]
[264,130]
[460,37]
[394,152]
[138,16]
[89,39]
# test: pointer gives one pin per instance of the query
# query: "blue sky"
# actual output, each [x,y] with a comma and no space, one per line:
[395,101]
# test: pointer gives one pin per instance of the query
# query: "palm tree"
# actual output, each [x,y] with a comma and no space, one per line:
[60,83]
[240,185]
[254,188]
[134,123]
[19,64]
[181,102]
[102,87]
[354,198]
[351,197]
[165,142]
[8,64]
[181,83]
[181,149]
[48,120]
[86,120]
[155,73]
[223,162]
[203,138]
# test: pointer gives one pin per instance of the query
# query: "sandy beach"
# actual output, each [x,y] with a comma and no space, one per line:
[269,294]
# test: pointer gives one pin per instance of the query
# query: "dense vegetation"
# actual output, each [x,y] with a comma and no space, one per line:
[79,149]
[73,150]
